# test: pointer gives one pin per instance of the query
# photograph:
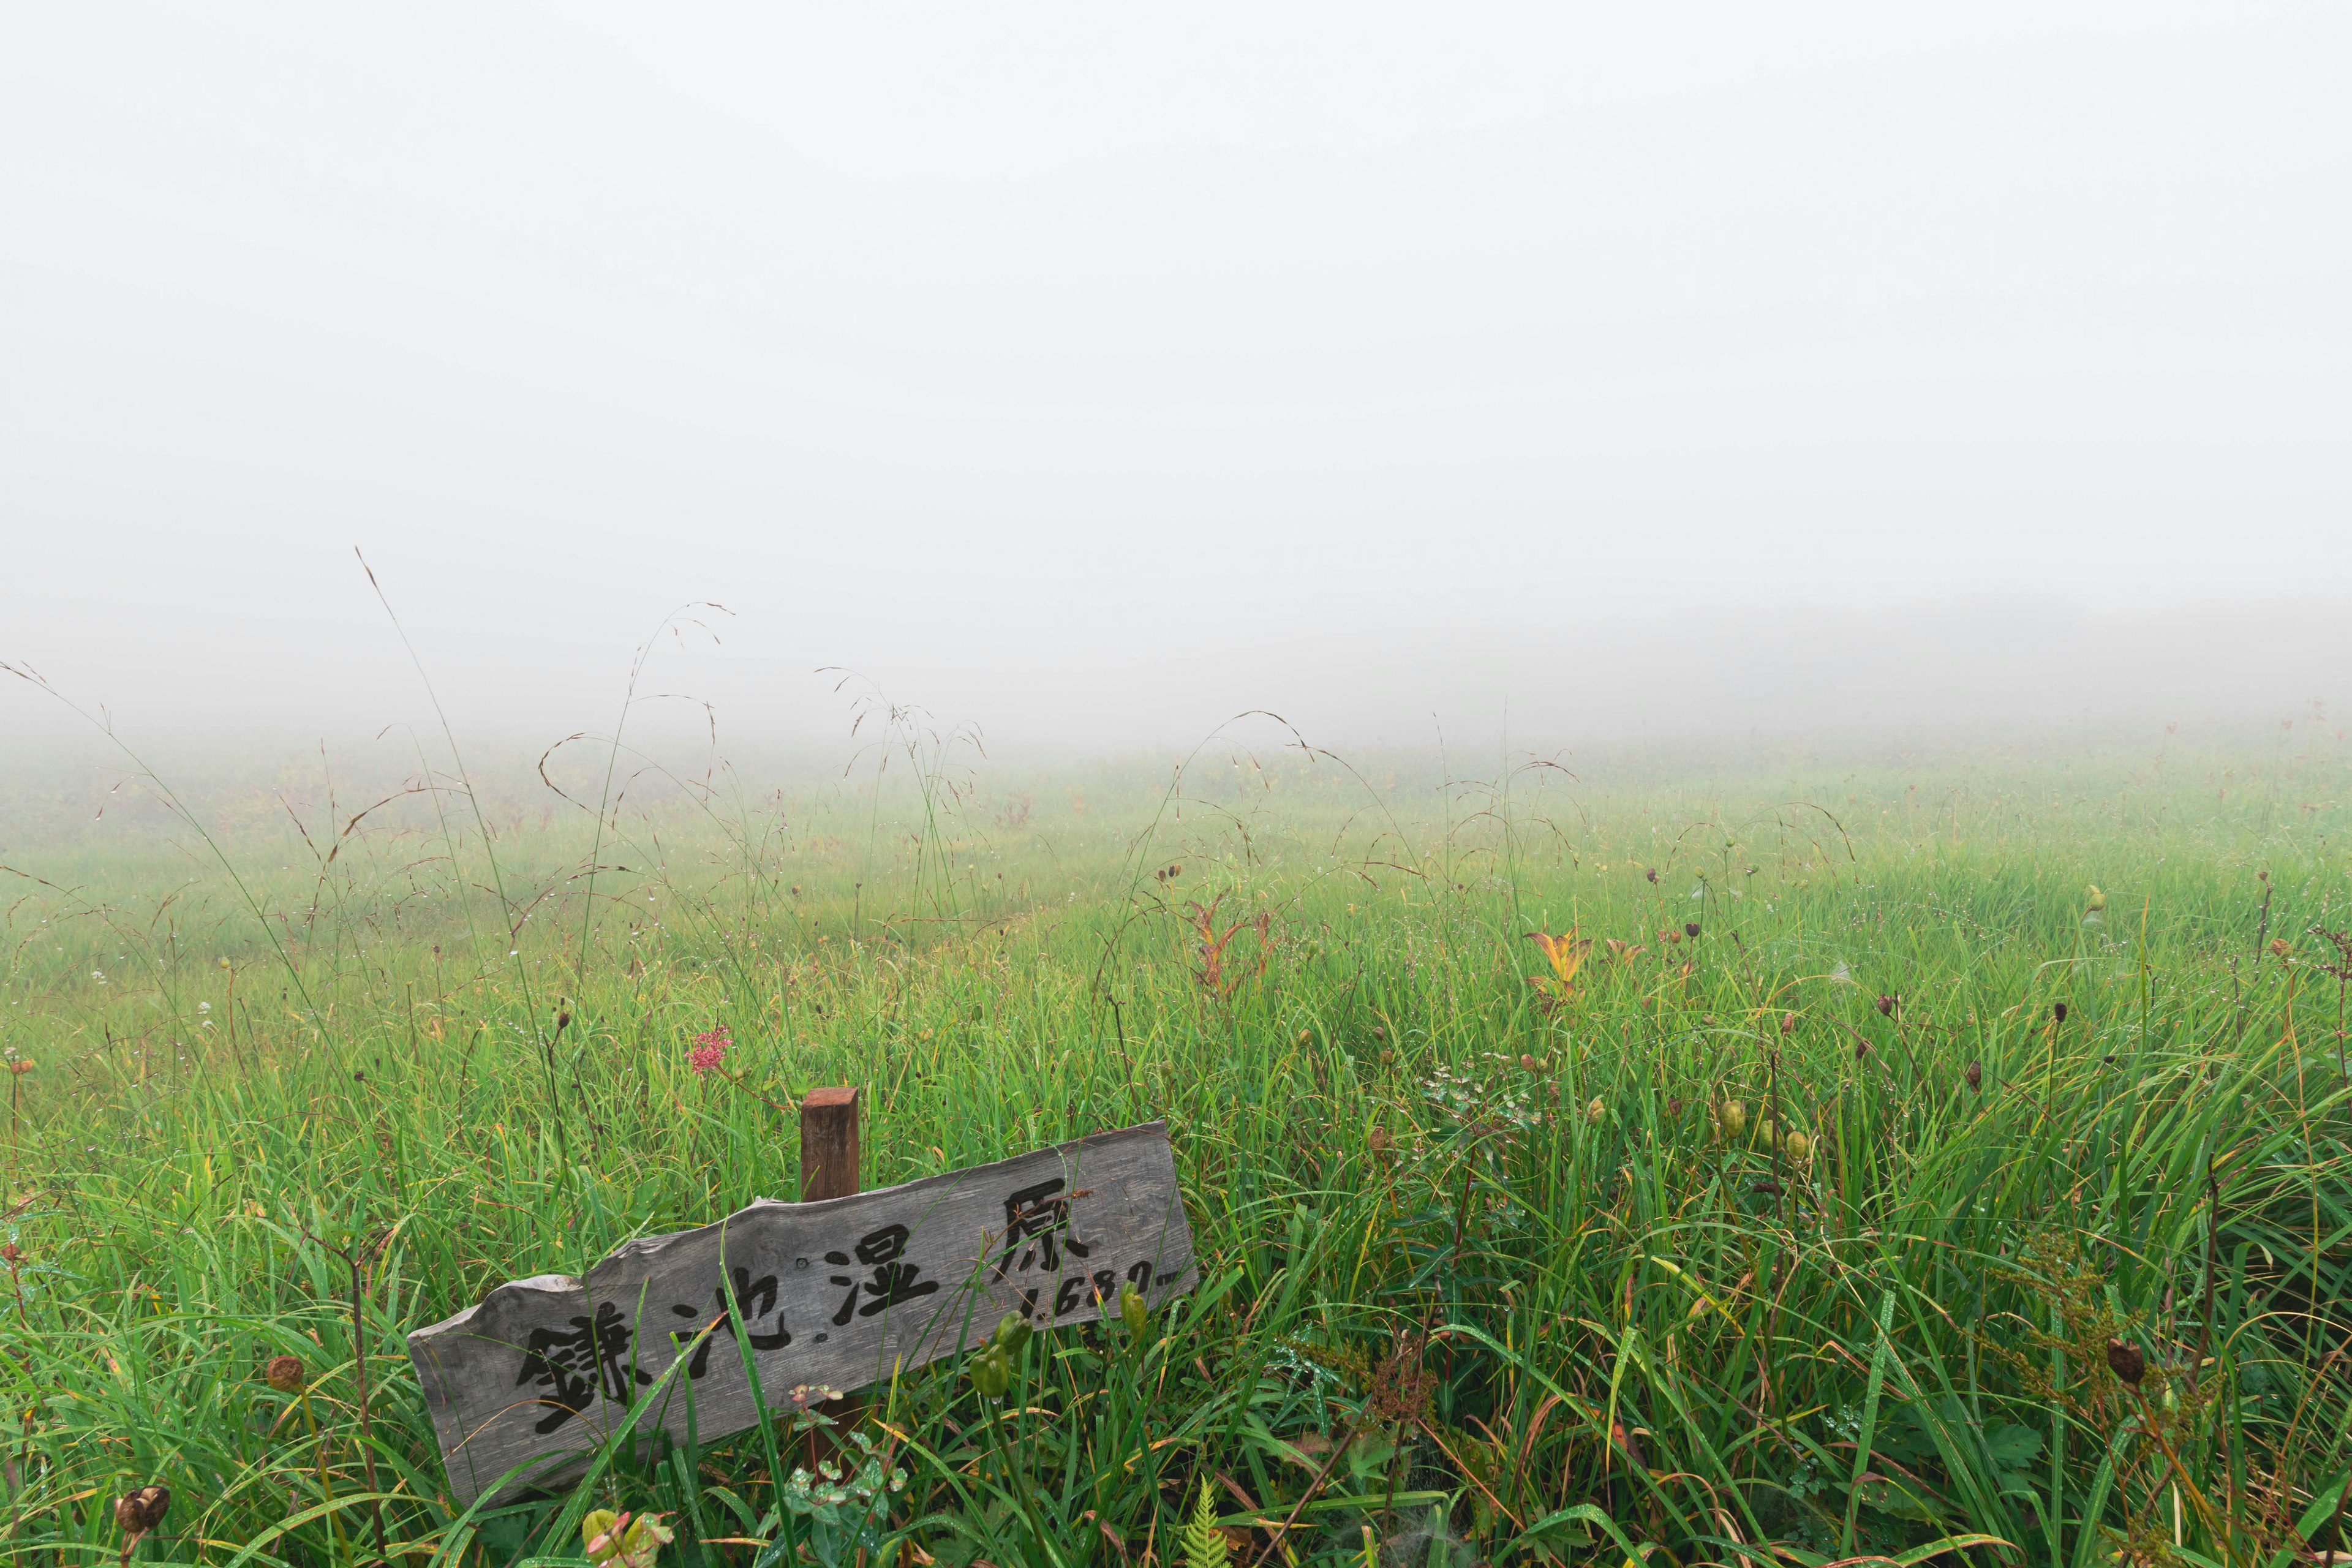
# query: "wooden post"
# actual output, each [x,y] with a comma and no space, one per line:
[829,1162]
[829,1169]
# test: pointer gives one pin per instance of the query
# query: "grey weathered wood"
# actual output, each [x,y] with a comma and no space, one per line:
[578,1358]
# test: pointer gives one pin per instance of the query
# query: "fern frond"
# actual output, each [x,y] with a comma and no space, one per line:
[1203,1543]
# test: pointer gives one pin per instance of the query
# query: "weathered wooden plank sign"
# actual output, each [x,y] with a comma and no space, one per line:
[842,1293]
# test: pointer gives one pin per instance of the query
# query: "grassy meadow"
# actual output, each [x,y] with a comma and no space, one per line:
[1811,1204]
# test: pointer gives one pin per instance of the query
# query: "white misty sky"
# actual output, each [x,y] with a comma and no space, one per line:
[1094,373]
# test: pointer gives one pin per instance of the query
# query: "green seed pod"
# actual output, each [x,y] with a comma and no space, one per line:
[1134,1312]
[1012,1332]
[991,1372]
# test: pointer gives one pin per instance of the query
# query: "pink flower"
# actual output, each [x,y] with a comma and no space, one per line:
[709,1049]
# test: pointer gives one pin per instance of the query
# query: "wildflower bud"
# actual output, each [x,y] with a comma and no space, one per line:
[284,1373]
[624,1540]
[138,1512]
[1595,1111]
[1379,1033]
[1732,1117]
[1886,1005]
[2058,1012]
[2092,898]
[1799,1146]
[1306,1036]
[1788,1023]
[1861,1049]
[562,1021]
[1387,1059]
[1134,1311]
[1975,1074]
[20,1066]
[1526,1064]
[1652,873]
[1690,929]
[991,1372]
[2127,1360]
[1377,1142]
[2278,946]
[224,964]
[1674,1107]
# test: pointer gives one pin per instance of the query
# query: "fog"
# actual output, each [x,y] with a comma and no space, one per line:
[1090,376]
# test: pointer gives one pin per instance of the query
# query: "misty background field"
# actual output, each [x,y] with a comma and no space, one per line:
[1671,679]
[1492,1268]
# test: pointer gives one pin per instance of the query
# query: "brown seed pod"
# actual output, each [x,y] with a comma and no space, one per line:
[2058,1012]
[1690,929]
[1886,1005]
[139,1512]
[1975,1074]
[1788,1023]
[284,1373]
[2127,1360]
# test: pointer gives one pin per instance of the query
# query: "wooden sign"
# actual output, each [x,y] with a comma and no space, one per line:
[841,1293]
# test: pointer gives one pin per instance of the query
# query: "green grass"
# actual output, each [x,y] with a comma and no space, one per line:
[1484,1276]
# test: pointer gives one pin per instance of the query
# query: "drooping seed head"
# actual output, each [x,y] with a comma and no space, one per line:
[137,1513]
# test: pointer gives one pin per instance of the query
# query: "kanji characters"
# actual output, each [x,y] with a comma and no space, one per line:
[892,1282]
[754,1299]
[1036,1213]
[574,1364]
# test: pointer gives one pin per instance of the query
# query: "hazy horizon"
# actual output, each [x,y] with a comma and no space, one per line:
[1091,378]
